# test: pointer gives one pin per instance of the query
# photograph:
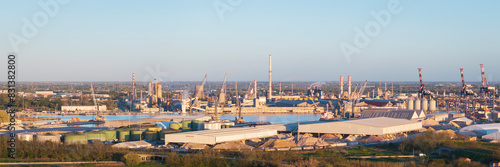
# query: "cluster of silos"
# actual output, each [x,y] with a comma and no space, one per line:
[421,104]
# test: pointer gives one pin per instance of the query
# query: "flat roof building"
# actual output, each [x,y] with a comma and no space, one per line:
[368,126]
[213,137]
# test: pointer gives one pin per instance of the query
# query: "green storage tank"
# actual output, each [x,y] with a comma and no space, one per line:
[154,129]
[93,135]
[136,135]
[123,135]
[110,134]
[151,136]
[186,124]
[75,138]
[175,126]
[194,125]
[167,131]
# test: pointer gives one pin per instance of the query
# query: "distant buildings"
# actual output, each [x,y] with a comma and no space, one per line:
[83,108]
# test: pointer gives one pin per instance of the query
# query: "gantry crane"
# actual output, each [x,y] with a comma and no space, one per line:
[485,90]
[465,92]
[423,92]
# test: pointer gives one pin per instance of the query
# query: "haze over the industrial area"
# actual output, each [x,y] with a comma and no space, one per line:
[181,40]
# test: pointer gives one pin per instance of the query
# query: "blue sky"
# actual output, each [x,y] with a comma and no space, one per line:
[95,40]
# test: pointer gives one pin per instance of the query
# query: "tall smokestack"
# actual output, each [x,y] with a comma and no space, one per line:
[349,84]
[280,91]
[255,89]
[133,87]
[341,86]
[270,93]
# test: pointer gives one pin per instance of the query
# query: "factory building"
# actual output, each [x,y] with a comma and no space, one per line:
[399,114]
[213,137]
[83,108]
[369,126]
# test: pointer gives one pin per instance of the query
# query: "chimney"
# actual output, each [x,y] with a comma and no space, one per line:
[134,97]
[270,93]
[341,86]
[349,84]
[255,89]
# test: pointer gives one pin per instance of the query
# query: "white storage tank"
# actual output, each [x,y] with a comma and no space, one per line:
[25,136]
[432,105]
[417,105]
[410,104]
[48,137]
[425,105]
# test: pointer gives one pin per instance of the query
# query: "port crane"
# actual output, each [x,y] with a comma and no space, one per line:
[361,91]
[239,119]
[423,92]
[466,92]
[485,90]
[98,115]
[197,94]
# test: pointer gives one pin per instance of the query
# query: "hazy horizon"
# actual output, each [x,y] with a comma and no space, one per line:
[181,41]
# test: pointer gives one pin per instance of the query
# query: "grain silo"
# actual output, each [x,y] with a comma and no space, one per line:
[425,105]
[417,105]
[410,104]
[432,105]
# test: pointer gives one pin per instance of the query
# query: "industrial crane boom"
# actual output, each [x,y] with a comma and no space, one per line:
[361,91]
[198,93]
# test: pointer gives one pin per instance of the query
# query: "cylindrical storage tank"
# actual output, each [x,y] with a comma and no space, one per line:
[48,137]
[410,104]
[25,136]
[186,124]
[96,135]
[425,105]
[166,131]
[195,124]
[124,135]
[432,105]
[135,135]
[154,129]
[175,126]
[110,134]
[75,138]
[150,135]
[417,105]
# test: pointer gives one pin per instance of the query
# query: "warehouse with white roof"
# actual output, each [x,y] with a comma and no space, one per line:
[213,137]
[369,126]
